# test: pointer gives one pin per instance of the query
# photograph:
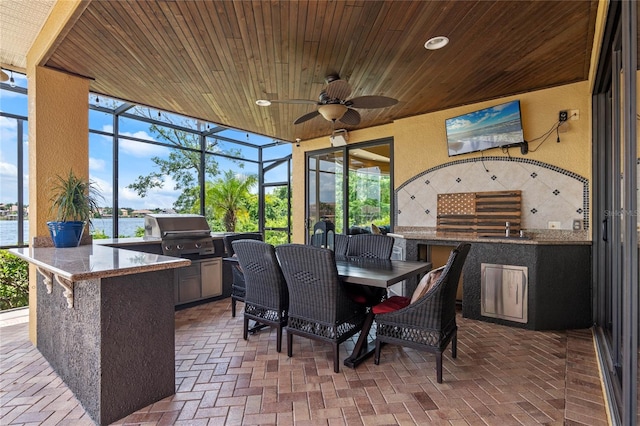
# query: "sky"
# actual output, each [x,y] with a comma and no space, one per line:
[134,157]
[484,118]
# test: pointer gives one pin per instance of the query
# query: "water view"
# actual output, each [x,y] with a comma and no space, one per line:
[126,228]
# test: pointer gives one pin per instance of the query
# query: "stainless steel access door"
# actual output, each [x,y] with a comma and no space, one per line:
[503,292]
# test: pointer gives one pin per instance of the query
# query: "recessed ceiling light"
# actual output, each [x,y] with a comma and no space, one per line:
[436,43]
[263,102]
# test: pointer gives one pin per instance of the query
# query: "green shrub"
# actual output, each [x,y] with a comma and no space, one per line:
[98,234]
[14,281]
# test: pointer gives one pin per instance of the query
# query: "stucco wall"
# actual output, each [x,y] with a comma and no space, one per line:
[420,142]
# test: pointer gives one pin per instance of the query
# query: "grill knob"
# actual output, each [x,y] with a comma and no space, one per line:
[179,246]
[168,247]
[198,245]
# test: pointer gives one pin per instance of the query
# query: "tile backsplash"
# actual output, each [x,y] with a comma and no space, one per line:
[549,193]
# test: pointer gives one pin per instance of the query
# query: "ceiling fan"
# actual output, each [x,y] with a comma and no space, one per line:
[333,104]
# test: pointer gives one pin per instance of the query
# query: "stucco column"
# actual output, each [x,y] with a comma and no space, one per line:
[58,142]
[58,126]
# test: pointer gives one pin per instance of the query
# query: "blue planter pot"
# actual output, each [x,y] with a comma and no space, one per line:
[66,234]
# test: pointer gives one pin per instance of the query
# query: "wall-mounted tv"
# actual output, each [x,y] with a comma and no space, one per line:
[493,127]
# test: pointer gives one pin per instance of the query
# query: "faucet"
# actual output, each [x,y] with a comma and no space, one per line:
[507,229]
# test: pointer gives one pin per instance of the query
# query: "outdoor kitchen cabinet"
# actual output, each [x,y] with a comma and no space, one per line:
[549,280]
[201,280]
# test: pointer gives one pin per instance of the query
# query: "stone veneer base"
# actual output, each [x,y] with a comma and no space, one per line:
[115,348]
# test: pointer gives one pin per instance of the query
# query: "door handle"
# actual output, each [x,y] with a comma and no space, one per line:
[605,227]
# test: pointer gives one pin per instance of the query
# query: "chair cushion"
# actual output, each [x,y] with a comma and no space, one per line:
[391,304]
[426,283]
[364,295]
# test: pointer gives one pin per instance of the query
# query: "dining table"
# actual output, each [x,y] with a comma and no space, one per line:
[375,273]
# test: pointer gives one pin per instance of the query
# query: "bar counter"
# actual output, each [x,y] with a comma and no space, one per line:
[555,295]
[532,237]
[106,323]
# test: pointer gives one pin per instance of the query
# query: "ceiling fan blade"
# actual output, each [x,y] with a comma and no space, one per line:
[307,117]
[371,102]
[338,89]
[351,117]
[293,101]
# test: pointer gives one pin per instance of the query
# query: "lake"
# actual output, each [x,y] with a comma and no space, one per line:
[126,228]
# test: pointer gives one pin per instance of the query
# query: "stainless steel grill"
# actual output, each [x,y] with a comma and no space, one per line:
[182,235]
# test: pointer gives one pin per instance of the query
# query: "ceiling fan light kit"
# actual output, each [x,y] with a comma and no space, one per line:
[333,104]
[332,112]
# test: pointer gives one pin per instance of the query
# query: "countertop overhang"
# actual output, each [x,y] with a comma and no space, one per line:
[96,261]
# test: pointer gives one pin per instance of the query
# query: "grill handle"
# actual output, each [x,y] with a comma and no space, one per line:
[193,233]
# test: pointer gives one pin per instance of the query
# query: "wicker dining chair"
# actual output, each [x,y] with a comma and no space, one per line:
[369,246]
[267,298]
[319,308]
[237,286]
[430,322]
[374,246]
[341,245]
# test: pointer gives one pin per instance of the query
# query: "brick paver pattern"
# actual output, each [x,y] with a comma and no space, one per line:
[502,376]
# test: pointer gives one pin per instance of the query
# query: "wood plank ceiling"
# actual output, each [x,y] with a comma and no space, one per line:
[212,60]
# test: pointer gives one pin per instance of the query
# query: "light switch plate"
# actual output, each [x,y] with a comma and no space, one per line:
[554,225]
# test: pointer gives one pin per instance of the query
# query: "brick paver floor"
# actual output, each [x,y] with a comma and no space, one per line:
[502,376]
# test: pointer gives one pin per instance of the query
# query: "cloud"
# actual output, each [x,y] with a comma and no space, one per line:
[97,165]
[140,149]
[134,148]
[105,189]
[457,123]
[9,183]
[163,197]
[8,129]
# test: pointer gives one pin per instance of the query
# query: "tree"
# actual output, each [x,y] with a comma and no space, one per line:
[182,164]
[230,196]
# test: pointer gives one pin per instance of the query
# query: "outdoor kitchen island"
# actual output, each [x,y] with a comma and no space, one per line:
[105,323]
[539,282]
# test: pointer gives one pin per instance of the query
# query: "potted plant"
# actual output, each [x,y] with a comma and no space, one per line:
[74,201]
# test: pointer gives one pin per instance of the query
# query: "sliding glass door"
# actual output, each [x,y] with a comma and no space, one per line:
[325,181]
[357,200]
[615,243]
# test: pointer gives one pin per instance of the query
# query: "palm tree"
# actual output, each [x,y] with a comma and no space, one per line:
[229,196]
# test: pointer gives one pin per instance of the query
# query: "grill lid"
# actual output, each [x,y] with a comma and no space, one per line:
[176,226]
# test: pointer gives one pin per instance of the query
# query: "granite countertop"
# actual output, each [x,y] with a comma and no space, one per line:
[96,261]
[532,237]
[130,241]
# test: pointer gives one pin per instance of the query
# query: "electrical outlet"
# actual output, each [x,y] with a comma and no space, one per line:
[577,224]
[562,116]
[554,225]
[574,114]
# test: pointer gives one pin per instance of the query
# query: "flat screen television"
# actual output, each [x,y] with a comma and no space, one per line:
[494,127]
